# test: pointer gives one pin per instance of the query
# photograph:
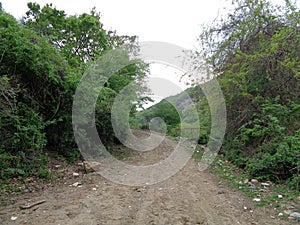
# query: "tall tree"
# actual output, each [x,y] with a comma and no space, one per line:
[81,39]
[256,49]
[254,52]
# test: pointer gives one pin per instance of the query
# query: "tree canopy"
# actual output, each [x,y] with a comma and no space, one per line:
[43,58]
[254,53]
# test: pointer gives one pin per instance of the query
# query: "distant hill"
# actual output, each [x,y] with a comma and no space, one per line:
[178,111]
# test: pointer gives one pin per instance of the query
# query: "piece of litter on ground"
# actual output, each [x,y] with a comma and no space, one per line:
[13,218]
[75,174]
[280,196]
[256,199]
[76,184]
[94,189]
[295,215]
[28,206]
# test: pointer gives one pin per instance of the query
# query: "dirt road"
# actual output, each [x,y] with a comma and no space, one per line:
[189,197]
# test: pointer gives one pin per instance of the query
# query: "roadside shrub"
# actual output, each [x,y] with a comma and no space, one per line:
[203,138]
[276,161]
[268,146]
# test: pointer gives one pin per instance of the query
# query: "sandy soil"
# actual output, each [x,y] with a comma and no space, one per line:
[189,197]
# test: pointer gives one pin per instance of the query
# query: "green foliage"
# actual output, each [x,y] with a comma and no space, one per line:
[182,120]
[31,66]
[28,129]
[44,173]
[268,145]
[276,160]
[203,138]
[254,54]
[164,110]
[80,39]
[42,60]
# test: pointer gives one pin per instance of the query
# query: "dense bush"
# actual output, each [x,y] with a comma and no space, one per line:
[41,64]
[254,53]
[30,84]
[268,145]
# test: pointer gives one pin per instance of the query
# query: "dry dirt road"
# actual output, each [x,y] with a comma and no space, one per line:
[189,197]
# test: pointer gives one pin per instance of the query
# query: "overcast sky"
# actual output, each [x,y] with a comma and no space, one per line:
[156,20]
[176,22]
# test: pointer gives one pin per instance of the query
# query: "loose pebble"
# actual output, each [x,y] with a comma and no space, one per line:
[76,184]
[254,181]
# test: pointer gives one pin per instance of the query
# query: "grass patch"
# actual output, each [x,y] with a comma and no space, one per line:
[239,179]
[121,152]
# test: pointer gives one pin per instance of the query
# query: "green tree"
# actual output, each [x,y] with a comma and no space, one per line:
[42,61]
[82,39]
[254,53]
[31,84]
[79,38]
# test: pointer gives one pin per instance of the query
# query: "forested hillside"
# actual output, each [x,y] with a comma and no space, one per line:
[42,59]
[177,112]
